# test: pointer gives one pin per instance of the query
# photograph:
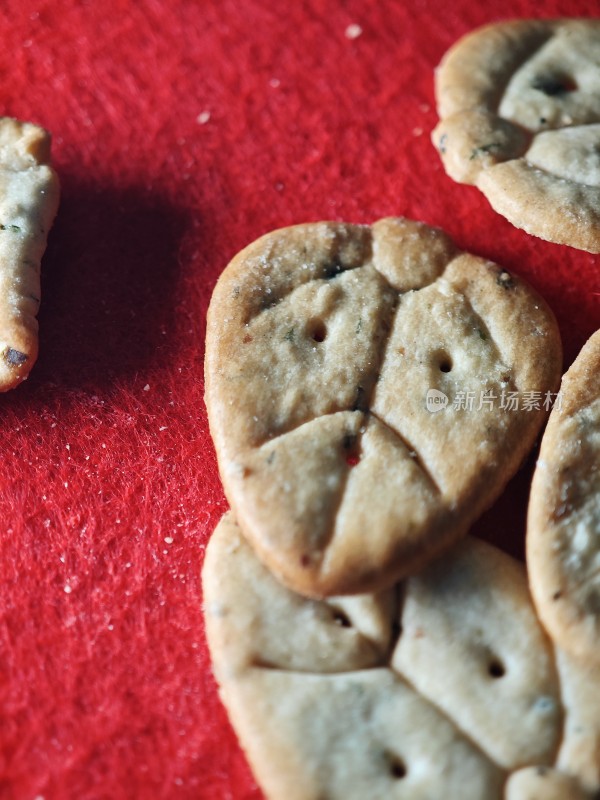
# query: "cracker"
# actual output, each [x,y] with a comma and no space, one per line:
[29,194]
[497,672]
[579,754]
[330,707]
[249,615]
[563,530]
[519,107]
[544,783]
[324,342]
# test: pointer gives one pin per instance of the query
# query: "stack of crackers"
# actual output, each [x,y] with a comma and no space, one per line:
[370,391]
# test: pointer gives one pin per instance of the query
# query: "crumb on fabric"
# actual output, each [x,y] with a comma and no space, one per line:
[353,31]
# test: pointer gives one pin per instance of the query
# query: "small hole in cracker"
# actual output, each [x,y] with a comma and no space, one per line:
[496,668]
[332,271]
[317,330]
[397,767]
[445,364]
[341,619]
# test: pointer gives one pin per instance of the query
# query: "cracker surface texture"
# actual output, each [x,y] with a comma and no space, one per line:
[579,753]
[544,783]
[29,195]
[563,531]
[442,687]
[519,107]
[326,344]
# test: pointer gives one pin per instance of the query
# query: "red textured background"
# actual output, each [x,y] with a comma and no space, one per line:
[108,484]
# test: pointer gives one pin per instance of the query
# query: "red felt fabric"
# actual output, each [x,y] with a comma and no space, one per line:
[182,131]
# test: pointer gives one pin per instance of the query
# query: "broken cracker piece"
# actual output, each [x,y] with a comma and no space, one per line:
[29,195]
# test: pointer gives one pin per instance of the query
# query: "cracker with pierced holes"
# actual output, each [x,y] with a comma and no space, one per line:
[441,688]
[472,645]
[325,344]
[563,531]
[519,107]
[29,194]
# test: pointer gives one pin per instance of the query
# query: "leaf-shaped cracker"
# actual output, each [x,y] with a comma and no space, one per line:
[29,193]
[563,530]
[519,104]
[324,343]
[449,691]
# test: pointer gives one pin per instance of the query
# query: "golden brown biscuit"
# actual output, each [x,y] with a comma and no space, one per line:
[519,107]
[471,643]
[438,690]
[328,347]
[563,530]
